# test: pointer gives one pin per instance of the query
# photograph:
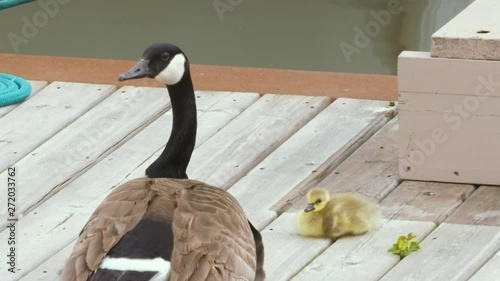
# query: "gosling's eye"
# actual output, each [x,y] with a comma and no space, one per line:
[165,56]
[318,201]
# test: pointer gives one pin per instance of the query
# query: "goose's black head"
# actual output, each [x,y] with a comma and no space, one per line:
[163,62]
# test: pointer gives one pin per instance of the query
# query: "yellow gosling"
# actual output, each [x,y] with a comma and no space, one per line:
[338,215]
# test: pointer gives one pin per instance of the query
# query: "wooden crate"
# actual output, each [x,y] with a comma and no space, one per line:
[449,101]
[449,119]
[472,34]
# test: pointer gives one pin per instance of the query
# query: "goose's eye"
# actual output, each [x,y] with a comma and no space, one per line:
[165,56]
[318,201]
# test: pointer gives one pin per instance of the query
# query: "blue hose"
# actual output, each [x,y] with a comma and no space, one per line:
[4,4]
[13,89]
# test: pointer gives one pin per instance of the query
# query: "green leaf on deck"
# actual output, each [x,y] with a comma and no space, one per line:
[414,246]
[404,246]
[403,243]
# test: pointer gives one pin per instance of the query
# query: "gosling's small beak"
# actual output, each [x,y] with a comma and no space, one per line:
[309,207]
[140,70]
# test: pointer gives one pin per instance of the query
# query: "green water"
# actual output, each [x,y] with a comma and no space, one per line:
[291,34]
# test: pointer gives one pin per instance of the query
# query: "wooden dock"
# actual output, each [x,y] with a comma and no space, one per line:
[72,143]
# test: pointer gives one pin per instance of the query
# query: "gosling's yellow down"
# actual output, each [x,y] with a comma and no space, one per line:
[340,215]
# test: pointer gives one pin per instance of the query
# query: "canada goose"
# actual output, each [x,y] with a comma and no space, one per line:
[164,226]
[336,216]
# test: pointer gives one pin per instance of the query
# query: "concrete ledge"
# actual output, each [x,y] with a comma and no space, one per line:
[208,77]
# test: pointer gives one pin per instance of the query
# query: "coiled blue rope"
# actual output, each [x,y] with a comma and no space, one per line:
[13,89]
[4,4]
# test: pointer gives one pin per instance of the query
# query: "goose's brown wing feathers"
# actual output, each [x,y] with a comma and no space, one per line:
[213,240]
[212,235]
[116,215]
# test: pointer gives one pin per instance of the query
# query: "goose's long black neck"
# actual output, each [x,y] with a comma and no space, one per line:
[174,159]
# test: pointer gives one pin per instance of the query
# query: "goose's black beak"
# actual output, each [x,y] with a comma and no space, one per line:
[140,70]
[309,207]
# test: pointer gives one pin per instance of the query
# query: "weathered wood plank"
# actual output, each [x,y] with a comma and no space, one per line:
[472,34]
[490,271]
[246,141]
[49,270]
[42,116]
[36,86]
[447,106]
[424,201]
[43,232]
[322,144]
[483,207]
[371,170]
[81,144]
[451,252]
[286,251]
[363,257]
[419,72]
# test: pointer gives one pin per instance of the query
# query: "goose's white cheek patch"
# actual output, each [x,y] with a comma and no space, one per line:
[174,71]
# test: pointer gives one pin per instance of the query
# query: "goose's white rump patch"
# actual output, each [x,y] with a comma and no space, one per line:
[125,264]
[174,71]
